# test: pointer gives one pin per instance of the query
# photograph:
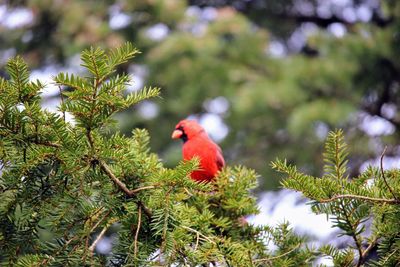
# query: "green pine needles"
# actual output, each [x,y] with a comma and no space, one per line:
[371,199]
[65,185]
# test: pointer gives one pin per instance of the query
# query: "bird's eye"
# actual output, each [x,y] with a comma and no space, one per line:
[179,128]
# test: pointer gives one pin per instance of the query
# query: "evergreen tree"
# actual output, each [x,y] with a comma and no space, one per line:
[65,184]
[287,71]
[372,198]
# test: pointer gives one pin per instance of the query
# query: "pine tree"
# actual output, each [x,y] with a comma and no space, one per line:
[64,184]
[352,203]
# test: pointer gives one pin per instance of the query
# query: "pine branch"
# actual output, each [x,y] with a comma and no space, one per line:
[98,238]
[366,252]
[197,233]
[91,248]
[60,250]
[137,231]
[383,175]
[353,232]
[369,199]
[106,169]
[62,102]
[270,259]
[46,143]
[130,193]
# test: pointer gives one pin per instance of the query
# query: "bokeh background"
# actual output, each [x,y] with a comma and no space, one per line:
[266,78]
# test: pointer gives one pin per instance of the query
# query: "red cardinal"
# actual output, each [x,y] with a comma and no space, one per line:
[197,143]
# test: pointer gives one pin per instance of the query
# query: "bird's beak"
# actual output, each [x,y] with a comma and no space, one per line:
[176,134]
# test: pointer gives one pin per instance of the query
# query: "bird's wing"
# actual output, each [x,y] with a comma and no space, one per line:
[220,159]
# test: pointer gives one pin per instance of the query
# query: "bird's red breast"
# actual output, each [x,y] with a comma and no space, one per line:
[196,143]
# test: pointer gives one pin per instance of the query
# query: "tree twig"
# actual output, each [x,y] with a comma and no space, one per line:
[104,167]
[62,101]
[368,250]
[353,232]
[98,238]
[102,219]
[134,191]
[197,241]
[370,199]
[91,230]
[46,143]
[120,184]
[137,231]
[278,256]
[197,233]
[130,193]
[383,174]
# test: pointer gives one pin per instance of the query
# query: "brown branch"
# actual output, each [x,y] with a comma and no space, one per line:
[90,138]
[370,199]
[197,233]
[46,143]
[134,191]
[130,193]
[250,258]
[102,219]
[137,231]
[104,167]
[98,238]
[120,184]
[366,252]
[383,174]
[278,256]
[90,231]
[353,233]
[197,241]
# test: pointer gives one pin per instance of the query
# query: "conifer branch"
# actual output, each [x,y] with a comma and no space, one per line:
[46,143]
[62,101]
[368,250]
[121,185]
[106,169]
[91,230]
[100,221]
[269,260]
[137,231]
[60,250]
[130,193]
[370,199]
[98,238]
[250,258]
[383,174]
[197,241]
[134,191]
[353,232]
[197,233]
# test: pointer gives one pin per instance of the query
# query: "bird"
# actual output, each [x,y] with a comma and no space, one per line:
[197,143]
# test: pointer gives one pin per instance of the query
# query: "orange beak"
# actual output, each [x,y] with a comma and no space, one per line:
[176,134]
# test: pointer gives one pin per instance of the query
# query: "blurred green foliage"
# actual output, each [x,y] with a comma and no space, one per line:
[281,104]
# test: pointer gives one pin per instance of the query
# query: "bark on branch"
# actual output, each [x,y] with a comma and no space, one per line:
[370,199]
[130,193]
